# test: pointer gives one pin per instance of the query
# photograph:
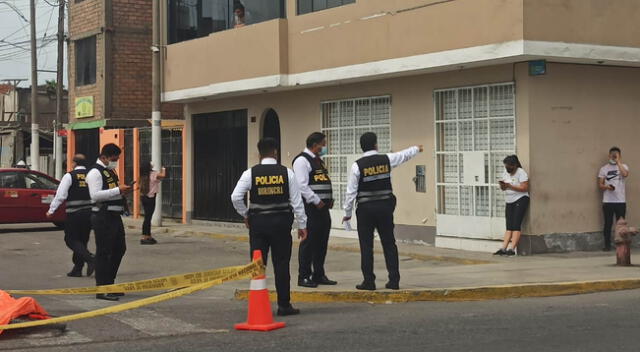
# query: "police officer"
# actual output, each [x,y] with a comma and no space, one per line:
[73,188]
[108,195]
[370,185]
[315,187]
[273,199]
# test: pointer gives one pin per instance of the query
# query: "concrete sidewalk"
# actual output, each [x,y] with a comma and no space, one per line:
[430,273]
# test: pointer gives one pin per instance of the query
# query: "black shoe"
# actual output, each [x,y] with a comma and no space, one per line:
[392,285]
[117,294]
[510,253]
[75,273]
[500,251]
[148,241]
[107,297]
[284,311]
[324,280]
[368,286]
[307,282]
[91,267]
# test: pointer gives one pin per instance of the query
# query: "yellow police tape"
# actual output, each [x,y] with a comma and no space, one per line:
[160,283]
[241,272]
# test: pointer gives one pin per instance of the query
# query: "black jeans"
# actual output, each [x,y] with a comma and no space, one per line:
[313,251]
[515,212]
[76,235]
[149,206]
[377,215]
[609,210]
[110,245]
[274,231]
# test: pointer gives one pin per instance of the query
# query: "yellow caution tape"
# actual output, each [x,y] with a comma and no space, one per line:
[248,271]
[160,283]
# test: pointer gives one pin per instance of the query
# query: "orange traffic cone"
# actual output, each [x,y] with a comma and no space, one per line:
[260,316]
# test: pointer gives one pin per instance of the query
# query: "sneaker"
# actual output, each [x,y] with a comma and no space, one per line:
[500,251]
[148,241]
[510,252]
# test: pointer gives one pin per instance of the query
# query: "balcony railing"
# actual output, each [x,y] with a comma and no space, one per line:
[191,19]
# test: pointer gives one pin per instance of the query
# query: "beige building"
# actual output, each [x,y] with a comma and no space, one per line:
[555,81]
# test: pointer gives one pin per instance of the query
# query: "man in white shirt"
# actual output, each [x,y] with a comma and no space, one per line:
[315,186]
[107,194]
[274,197]
[611,180]
[370,184]
[73,188]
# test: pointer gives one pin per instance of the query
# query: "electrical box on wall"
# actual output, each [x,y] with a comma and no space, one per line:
[473,168]
[420,178]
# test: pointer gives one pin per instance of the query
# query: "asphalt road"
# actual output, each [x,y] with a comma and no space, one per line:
[204,321]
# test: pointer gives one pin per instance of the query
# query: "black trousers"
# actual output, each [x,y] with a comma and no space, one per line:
[313,251]
[609,210]
[110,245]
[273,232]
[377,215]
[515,212]
[149,205]
[76,235]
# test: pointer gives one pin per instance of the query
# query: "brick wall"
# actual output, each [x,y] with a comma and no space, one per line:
[131,59]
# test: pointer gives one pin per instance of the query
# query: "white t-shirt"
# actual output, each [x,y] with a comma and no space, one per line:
[511,196]
[612,176]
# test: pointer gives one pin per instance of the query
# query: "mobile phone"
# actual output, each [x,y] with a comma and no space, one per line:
[133,183]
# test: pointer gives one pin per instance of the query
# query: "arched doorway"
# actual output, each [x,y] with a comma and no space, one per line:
[271,128]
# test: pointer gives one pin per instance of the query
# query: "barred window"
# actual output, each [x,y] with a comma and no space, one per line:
[473,122]
[343,122]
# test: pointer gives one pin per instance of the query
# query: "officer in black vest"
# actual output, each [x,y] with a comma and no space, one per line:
[315,187]
[274,197]
[108,195]
[370,185]
[73,188]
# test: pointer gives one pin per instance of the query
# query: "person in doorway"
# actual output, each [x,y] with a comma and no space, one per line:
[274,198]
[149,183]
[370,185]
[515,183]
[108,195]
[611,180]
[74,190]
[315,186]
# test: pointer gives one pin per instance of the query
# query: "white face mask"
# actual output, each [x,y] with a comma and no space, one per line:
[112,165]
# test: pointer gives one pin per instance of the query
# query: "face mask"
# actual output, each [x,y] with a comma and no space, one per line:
[612,162]
[510,169]
[324,151]
[112,165]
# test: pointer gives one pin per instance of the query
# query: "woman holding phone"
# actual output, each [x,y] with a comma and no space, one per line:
[515,183]
[149,182]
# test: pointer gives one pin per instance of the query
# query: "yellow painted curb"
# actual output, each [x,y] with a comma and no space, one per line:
[458,294]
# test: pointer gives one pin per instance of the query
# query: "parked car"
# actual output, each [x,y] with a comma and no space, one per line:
[25,196]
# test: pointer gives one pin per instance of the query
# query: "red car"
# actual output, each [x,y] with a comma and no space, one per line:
[25,196]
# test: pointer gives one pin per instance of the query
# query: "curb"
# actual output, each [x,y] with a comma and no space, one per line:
[458,294]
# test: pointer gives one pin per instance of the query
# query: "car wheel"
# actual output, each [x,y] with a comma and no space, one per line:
[59,225]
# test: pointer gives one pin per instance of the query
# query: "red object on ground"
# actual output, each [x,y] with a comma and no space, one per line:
[260,316]
[11,308]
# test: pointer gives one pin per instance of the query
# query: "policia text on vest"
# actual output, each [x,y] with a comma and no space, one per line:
[108,195]
[317,192]
[274,198]
[370,186]
[74,190]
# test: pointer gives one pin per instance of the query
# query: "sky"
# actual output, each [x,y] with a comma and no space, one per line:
[15,56]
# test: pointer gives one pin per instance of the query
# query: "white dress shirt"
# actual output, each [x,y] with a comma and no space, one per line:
[244,186]
[395,159]
[94,181]
[63,191]
[302,168]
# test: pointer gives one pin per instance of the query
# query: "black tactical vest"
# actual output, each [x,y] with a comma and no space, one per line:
[109,181]
[78,197]
[319,180]
[269,192]
[375,178]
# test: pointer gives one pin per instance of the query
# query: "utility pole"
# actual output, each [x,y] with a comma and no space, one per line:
[156,127]
[35,135]
[59,92]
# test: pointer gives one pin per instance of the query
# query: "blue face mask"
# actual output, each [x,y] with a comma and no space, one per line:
[324,151]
